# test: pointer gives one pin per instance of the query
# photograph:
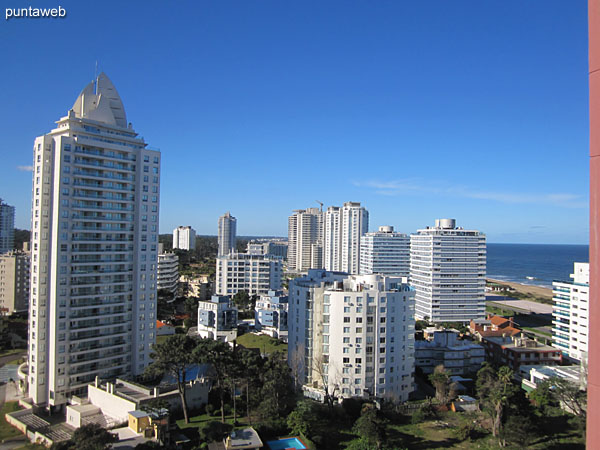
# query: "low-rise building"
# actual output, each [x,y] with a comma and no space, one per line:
[164,329]
[109,403]
[459,357]
[245,439]
[217,319]
[531,375]
[493,326]
[271,315]
[519,350]
[197,286]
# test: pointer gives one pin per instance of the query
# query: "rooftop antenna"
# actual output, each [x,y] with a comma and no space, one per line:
[320,203]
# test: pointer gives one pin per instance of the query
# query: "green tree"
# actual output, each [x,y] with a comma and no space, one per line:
[88,437]
[440,378]
[495,390]
[242,300]
[174,357]
[219,355]
[371,427]
[565,394]
[303,419]
[277,388]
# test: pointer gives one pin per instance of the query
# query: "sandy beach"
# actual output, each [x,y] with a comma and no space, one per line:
[525,288]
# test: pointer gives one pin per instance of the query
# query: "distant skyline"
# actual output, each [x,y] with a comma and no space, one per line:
[470,110]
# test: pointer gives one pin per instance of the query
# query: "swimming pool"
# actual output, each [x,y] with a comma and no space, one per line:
[282,444]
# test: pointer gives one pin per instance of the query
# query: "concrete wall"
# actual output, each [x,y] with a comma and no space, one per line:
[111,404]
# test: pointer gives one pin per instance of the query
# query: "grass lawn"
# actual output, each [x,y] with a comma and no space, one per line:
[265,343]
[7,430]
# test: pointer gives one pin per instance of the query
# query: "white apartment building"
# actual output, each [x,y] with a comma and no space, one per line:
[94,227]
[305,240]
[447,270]
[167,272]
[271,314]
[385,252]
[184,238]
[255,274]
[227,234]
[274,248]
[353,333]
[7,227]
[570,313]
[343,229]
[459,357]
[14,282]
[217,319]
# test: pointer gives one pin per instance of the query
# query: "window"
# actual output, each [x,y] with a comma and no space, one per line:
[346,329]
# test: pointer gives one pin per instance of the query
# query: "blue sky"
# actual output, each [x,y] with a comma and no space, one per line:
[476,110]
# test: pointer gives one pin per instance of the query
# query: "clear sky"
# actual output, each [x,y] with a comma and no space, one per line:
[476,110]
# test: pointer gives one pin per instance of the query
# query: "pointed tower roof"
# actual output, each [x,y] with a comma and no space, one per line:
[100,101]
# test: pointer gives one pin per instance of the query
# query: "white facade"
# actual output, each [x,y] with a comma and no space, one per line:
[271,314]
[570,313]
[254,274]
[227,234]
[458,357]
[217,319]
[184,238]
[385,252]
[305,240]
[7,227]
[353,333]
[447,270]
[343,229]
[167,272]
[14,282]
[95,207]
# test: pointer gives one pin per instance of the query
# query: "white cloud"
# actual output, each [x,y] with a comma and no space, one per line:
[25,168]
[418,186]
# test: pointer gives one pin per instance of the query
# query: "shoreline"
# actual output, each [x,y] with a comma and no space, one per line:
[538,291]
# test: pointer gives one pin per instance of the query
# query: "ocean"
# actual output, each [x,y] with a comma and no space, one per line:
[545,263]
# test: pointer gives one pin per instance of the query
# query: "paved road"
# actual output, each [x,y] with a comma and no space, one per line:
[520,305]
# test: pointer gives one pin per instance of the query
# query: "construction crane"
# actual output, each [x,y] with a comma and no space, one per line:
[320,203]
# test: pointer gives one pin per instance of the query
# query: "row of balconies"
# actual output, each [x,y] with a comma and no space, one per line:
[103,334]
[103,185]
[101,195]
[87,162]
[85,172]
[111,227]
[105,154]
[106,344]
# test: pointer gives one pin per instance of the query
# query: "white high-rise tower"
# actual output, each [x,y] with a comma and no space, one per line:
[343,229]
[447,270]
[385,252]
[305,239]
[184,238]
[227,234]
[94,241]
